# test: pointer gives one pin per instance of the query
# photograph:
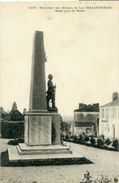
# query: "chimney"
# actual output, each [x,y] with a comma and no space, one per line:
[81,105]
[115,96]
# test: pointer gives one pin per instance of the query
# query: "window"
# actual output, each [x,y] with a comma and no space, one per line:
[103,113]
[107,113]
[114,113]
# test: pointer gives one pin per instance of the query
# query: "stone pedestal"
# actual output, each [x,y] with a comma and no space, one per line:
[38,130]
[42,129]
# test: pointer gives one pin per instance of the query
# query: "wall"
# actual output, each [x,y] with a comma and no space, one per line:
[80,130]
[81,117]
[86,116]
[109,121]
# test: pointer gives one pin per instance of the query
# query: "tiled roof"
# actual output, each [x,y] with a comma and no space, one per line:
[113,103]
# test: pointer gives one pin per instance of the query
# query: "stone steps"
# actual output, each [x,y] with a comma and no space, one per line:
[23,149]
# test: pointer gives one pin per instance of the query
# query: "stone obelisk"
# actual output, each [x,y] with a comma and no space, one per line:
[38,86]
[39,123]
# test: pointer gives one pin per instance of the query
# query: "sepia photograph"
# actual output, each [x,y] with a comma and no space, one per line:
[59,92]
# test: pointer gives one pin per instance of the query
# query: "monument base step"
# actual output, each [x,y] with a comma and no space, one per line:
[30,159]
[24,149]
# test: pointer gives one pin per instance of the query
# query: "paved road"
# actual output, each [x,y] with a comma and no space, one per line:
[105,162]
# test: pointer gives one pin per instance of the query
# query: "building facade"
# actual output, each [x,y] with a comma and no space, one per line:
[109,118]
[86,120]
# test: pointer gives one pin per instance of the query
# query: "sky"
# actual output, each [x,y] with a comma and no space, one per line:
[82,51]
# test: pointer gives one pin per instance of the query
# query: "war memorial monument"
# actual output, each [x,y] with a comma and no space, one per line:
[42,136]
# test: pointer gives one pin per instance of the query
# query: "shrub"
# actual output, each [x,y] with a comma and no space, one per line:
[75,139]
[67,137]
[92,140]
[87,178]
[100,142]
[107,142]
[104,179]
[81,139]
[15,141]
[102,137]
[86,138]
[115,144]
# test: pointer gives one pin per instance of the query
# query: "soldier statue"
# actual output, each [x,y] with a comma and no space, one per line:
[51,94]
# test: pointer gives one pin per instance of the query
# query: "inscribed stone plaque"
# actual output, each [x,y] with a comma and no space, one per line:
[39,130]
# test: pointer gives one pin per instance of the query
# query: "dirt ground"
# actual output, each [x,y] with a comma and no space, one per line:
[104,163]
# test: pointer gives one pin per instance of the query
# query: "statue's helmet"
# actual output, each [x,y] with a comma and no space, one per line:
[50,76]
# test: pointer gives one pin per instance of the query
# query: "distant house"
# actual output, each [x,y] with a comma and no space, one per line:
[86,119]
[109,118]
[66,125]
